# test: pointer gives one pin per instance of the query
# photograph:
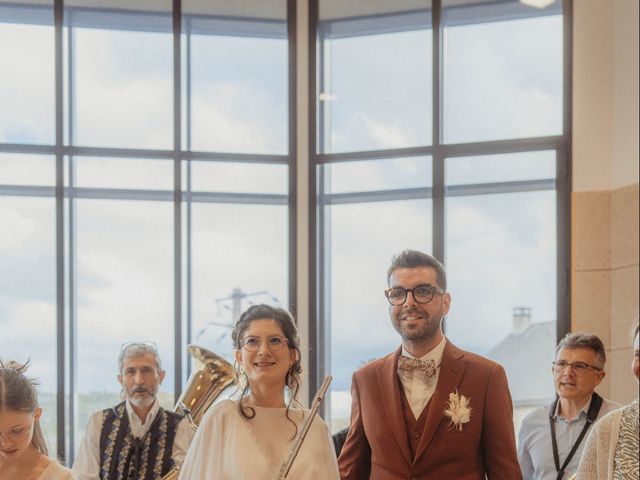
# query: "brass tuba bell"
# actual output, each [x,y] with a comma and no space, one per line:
[210,376]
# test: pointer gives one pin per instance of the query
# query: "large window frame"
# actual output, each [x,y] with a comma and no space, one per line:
[318,327]
[64,151]
[438,151]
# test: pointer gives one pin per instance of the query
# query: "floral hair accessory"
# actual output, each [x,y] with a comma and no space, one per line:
[458,410]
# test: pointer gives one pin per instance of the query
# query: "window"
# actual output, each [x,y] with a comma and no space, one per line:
[153,203]
[439,127]
[147,179]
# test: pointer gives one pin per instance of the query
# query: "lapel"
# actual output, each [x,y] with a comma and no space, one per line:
[451,371]
[388,376]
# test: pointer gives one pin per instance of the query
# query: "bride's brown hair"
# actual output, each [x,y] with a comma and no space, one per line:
[288,326]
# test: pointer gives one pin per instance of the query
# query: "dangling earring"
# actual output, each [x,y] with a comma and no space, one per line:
[241,375]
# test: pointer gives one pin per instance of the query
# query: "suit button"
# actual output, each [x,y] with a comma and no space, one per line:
[416,435]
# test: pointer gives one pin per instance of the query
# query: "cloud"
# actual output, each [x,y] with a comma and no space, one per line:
[381,103]
[382,174]
[220,121]
[28,252]
[500,250]
[496,89]
[28,332]
[27,84]
[123,89]
[499,257]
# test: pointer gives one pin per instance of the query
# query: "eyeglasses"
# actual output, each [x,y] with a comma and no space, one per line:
[17,434]
[421,294]
[274,342]
[579,368]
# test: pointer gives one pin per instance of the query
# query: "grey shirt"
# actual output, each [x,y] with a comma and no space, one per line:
[535,452]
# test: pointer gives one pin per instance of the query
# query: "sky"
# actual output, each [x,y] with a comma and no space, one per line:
[501,81]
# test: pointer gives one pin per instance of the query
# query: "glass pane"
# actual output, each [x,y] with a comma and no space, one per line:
[235,264]
[237,87]
[21,169]
[123,173]
[122,79]
[124,271]
[371,175]
[381,104]
[502,73]
[233,177]
[500,168]
[359,254]
[499,259]
[27,75]
[28,297]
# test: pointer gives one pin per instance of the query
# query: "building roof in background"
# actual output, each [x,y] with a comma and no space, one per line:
[527,357]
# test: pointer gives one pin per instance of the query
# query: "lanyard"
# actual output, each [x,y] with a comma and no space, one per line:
[592,414]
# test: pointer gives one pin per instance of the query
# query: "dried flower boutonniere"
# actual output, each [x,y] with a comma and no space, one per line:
[458,410]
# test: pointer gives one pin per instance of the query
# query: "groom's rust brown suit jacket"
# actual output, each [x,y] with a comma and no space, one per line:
[378,445]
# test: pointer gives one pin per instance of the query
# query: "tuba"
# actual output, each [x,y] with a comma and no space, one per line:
[210,376]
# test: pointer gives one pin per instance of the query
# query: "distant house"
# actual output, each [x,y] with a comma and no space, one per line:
[526,355]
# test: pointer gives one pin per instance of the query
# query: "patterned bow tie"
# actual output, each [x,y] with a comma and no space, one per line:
[428,367]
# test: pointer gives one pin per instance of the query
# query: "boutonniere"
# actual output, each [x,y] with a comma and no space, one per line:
[458,410]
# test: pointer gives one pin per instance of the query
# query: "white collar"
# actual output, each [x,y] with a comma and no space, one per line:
[435,354]
[584,410]
[133,416]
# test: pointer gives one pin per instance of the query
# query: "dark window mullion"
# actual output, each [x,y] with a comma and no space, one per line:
[564,179]
[177,198]
[315,266]
[292,154]
[188,201]
[72,256]
[437,164]
[58,13]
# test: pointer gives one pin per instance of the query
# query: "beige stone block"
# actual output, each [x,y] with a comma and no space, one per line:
[604,389]
[624,226]
[591,226]
[623,384]
[591,304]
[625,287]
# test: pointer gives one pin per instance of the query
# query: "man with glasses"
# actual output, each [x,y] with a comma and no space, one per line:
[136,439]
[552,437]
[428,410]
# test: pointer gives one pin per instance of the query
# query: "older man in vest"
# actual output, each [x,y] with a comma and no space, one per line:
[137,439]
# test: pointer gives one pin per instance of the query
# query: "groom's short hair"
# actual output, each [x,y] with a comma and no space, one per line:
[417,259]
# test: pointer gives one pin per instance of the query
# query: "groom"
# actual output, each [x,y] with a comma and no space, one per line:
[428,410]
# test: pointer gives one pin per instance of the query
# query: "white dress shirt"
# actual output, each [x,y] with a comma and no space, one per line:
[87,462]
[418,387]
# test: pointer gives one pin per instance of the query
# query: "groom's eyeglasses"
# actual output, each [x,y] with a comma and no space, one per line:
[421,294]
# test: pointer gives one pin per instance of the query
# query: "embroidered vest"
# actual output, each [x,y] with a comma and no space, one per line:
[124,457]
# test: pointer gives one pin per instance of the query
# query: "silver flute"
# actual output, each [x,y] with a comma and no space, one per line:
[293,453]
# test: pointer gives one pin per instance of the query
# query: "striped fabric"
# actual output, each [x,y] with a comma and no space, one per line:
[626,456]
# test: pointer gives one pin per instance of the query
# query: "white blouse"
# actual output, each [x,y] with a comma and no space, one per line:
[228,446]
[55,471]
